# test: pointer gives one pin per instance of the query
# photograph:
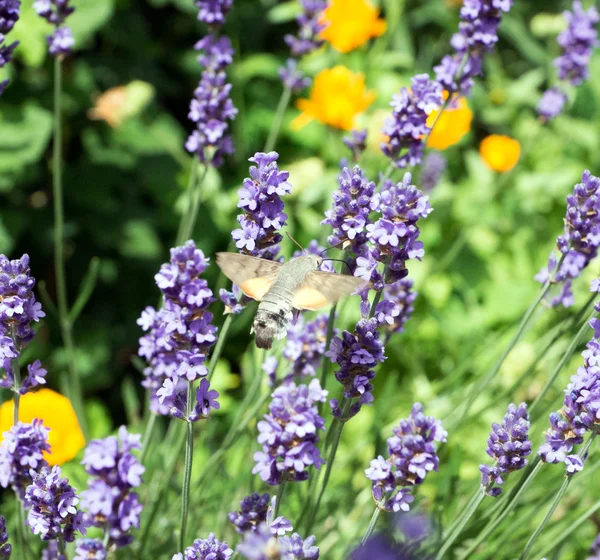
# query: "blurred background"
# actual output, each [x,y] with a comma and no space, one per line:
[126,171]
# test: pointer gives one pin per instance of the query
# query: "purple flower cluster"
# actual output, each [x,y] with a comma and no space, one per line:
[288,434]
[52,552]
[396,307]
[179,336]
[357,354]
[305,346]
[18,309]
[109,500]
[206,549]
[356,142]
[477,34]
[508,445]
[406,129]
[21,453]
[212,108]
[412,454]
[61,42]
[260,198]
[580,412]
[10,10]
[253,512]
[52,504]
[262,544]
[551,103]
[352,203]
[231,301]
[90,549]
[5,548]
[580,240]
[292,77]
[213,12]
[395,235]
[434,166]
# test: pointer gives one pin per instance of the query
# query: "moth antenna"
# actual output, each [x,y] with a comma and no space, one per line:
[292,239]
[342,261]
[332,247]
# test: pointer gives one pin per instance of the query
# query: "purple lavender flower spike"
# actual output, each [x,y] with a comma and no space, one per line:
[357,354]
[434,166]
[412,454]
[5,548]
[396,307]
[90,549]
[356,142]
[206,549]
[595,549]
[292,77]
[477,34]
[52,552]
[213,12]
[262,545]
[577,43]
[109,500]
[508,444]
[580,240]
[52,503]
[253,512]
[56,12]
[260,198]
[229,299]
[21,452]
[407,127]
[180,334]
[551,104]
[288,434]
[396,234]
[307,40]
[212,107]
[10,10]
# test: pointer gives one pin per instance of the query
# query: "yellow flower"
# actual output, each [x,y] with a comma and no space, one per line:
[500,153]
[337,96]
[350,24]
[452,125]
[65,438]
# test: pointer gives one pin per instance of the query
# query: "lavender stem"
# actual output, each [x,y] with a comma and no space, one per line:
[191,214]
[372,523]
[282,106]
[279,497]
[187,475]
[16,371]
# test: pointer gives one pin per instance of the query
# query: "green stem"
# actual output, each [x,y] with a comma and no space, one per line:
[282,106]
[187,475]
[73,386]
[188,229]
[559,495]
[466,516]
[148,433]
[567,355]
[495,523]
[219,346]
[16,371]
[460,516]
[61,545]
[372,523]
[325,361]
[386,175]
[190,202]
[279,497]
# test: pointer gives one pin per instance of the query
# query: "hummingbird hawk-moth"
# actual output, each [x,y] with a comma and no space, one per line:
[296,284]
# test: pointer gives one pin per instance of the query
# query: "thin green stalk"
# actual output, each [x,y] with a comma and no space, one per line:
[16,371]
[214,359]
[61,546]
[479,387]
[187,474]
[460,516]
[279,497]
[325,361]
[466,516]
[282,106]
[386,175]
[148,433]
[192,211]
[567,355]
[557,499]
[372,523]
[495,523]
[193,176]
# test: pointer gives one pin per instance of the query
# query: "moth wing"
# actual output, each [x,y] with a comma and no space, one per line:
[254,276]
[321,289]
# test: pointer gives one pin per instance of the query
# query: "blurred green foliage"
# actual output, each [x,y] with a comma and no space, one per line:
[488,236]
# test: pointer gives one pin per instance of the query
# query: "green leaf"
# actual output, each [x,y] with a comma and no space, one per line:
[89,16]
[140,241]
[31,31]
[283,12]
[257,66]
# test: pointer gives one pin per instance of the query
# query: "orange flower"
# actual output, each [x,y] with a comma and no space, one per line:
[337,96]
[452,125]
[500,153]
[350,24]
[55,410]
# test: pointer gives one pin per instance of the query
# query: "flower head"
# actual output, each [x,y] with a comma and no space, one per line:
[408,125]
[213,12]
[260,199]
[451,125]
[309,27]
[338,95]
[262,544]
[109,500]
[56,12]
[411,455]
[396,306]
[508,445]
[433,168]
[292,77]
[356,142]
[350,24]
[288,434]
[89,549]
[551,103]
[5,548]
[10,11]
[52,504]
[500,153]
[305,346]
[253,512]
[58,416]
[206,549]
